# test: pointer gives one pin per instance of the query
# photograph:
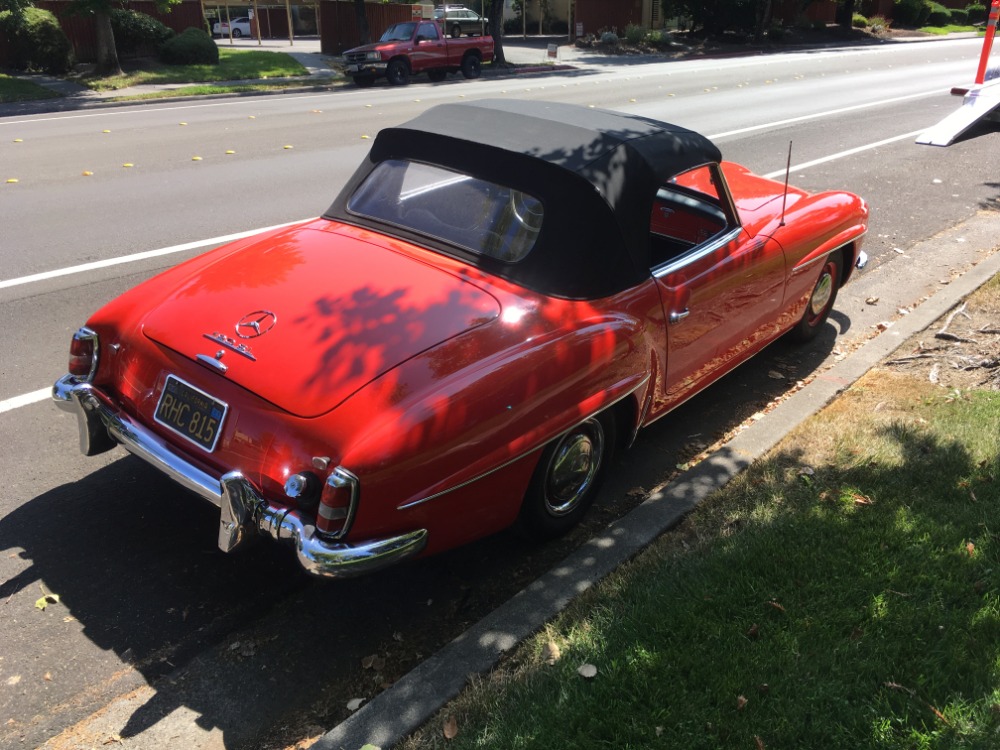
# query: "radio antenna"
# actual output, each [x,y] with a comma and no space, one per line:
[784,198]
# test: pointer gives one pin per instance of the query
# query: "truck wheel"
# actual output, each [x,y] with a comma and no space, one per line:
[437,75]
[471,66]
[364,82]
[456,31]
[567,478]
[398,73]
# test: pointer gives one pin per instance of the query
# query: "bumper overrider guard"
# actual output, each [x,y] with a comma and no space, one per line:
[244,512]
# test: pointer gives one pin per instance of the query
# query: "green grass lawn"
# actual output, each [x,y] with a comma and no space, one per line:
[951,29]
[844,593]
[19,90]
[233,66]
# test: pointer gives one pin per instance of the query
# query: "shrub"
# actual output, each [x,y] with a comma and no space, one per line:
[819,25]
[939,15]
[512,26]
[977,13]
[858,21]
[191,47]
[137,33]
[609,38]
[634,35]
[36,41]
[959,16]
[911,12]
[879,24]
[776,33]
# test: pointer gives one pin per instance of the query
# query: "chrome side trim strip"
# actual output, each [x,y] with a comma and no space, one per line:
[521,455]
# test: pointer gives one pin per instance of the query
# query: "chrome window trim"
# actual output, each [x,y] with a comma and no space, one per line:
[524,453]
[696,253]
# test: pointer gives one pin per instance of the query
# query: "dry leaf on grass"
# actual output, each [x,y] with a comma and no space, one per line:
[587,671]
[450,728]
[741,702]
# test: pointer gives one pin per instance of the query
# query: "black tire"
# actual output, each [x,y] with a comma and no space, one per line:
[437,75]
[397,72]
[472,66]
[821,300]
[456,31]
[364,82]
[567,479]
[237,33]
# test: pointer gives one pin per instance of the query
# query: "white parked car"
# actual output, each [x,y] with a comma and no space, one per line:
[241,27]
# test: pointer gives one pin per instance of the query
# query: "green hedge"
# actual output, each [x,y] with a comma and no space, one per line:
[977,13]
[191,47]
[36,41]
[911,12]
[138,33]
[939,15]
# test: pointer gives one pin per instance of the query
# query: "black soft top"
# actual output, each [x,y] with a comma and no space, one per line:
[595,171]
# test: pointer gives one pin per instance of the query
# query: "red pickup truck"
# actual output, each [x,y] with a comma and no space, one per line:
[413,47]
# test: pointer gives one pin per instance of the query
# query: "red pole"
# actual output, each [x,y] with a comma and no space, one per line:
[991,29]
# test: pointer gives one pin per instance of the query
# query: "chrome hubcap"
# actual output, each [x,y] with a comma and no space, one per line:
[821,294]
[573,467]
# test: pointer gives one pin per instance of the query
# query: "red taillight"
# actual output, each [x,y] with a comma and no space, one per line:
[337,503]
[83,354]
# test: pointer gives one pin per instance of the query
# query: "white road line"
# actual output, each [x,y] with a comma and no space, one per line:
[70,270]
[25,400]
[842,154]
[828,113]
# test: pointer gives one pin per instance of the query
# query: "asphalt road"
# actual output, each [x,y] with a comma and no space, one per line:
[173,644]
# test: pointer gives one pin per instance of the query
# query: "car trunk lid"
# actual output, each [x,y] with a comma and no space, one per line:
[307,317]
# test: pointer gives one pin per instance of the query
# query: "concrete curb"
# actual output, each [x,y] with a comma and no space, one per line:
[413,700]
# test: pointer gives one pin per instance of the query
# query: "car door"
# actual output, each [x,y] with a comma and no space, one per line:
[720,288]
[430,52]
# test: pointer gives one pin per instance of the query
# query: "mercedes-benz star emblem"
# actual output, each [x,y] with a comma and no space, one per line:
[256,324]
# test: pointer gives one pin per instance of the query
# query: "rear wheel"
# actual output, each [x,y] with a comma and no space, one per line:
[471,66]
[237,33]
[567,478]
[456,31]
[824,294]
[397,73]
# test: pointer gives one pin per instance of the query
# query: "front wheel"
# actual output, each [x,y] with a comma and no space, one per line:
[237,33]
[824,294]
[472,67]
[456,31]
[397,73]
[567,479]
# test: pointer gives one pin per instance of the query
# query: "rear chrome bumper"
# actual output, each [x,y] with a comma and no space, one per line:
[243,510]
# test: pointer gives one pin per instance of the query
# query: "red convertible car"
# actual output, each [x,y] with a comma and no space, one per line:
[502,294]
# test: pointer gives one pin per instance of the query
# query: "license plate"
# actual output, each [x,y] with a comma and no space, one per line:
[353,68]
[191,413]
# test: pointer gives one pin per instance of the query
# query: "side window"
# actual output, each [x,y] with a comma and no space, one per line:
[428,31]
[687,212]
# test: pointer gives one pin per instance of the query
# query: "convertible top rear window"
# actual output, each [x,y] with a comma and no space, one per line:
[477,215]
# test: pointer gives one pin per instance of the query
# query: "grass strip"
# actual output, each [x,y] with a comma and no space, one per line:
[842,593]
[19,90]
[209,89]
[233,66]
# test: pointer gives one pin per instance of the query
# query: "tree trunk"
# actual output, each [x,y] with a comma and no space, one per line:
[496,31]
[107,52]
[364,33]
[847,21]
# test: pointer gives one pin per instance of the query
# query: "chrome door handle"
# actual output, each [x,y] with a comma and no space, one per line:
[677,317]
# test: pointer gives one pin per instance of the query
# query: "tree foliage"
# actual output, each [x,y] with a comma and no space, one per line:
[100,10]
